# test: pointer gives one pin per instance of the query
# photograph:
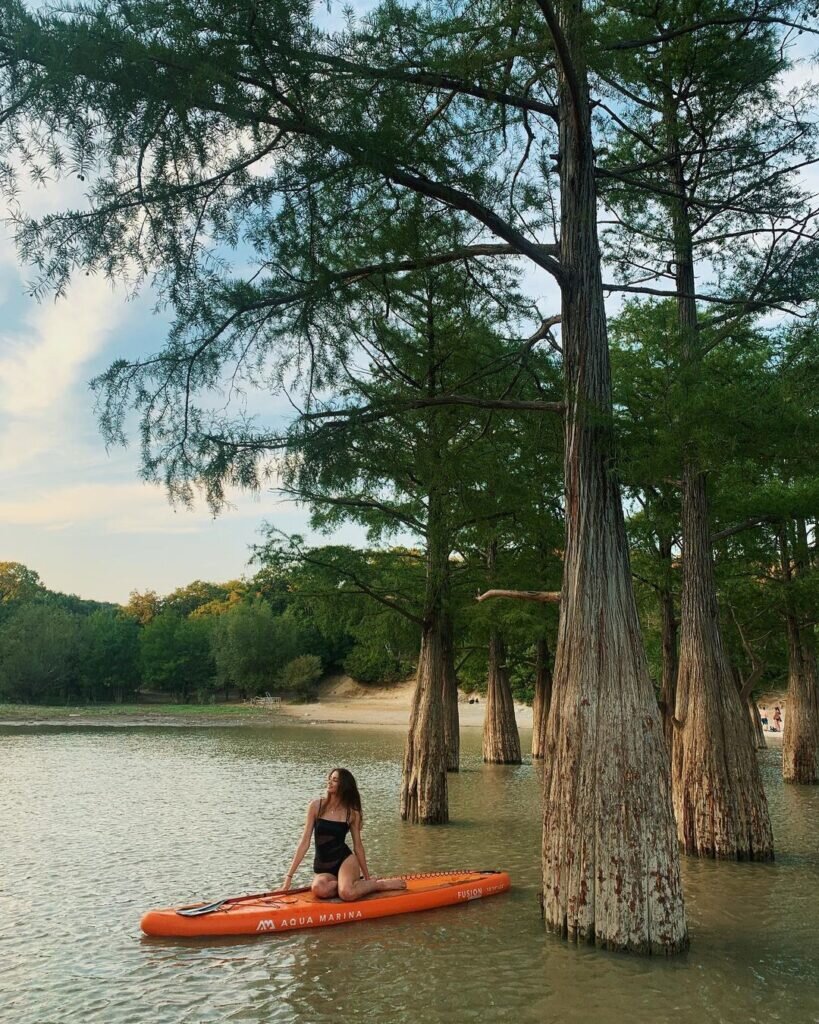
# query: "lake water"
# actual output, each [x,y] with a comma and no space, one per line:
[97,825]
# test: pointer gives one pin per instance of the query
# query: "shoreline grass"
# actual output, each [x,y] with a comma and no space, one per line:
[42,712]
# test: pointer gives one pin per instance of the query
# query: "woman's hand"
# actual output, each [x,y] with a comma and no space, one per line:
[288,878]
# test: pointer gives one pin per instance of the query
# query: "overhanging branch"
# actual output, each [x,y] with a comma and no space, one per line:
[540,596]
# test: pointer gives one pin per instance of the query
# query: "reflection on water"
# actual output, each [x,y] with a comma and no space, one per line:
[97,825]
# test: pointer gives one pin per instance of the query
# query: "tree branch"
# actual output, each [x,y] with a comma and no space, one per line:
[747,524]
[541,596]
[367,412]
[675,33]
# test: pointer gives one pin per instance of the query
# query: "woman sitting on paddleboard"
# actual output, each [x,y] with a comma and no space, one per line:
[338,868]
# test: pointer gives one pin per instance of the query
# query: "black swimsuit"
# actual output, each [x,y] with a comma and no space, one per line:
[331,850]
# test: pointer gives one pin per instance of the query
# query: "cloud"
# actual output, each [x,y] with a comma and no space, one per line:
[44,357]
[45,351]
[119,508]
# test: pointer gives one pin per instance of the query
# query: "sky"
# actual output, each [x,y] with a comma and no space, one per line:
[76,513]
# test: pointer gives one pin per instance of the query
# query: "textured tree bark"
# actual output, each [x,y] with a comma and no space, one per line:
[745,695]
[756,725]
[799,738]
[610,856]
[668,628]
[424,797]
[540,596]
[719,801]
[452,736]
[543,699]
[501,740]
[801,731]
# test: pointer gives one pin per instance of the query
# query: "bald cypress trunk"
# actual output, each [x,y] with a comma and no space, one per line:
[452,735]
[719,802]
[424,796]
[668,635]
[801,731]
[746,697]
[610,857]
[501,740]
[543,699]
[756,725]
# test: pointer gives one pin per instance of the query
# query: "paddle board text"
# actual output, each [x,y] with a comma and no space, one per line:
[269,925]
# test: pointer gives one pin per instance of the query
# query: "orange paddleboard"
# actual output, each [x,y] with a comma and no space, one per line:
[276,912]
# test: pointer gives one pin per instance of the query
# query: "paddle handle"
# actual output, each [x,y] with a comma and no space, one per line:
[195,909]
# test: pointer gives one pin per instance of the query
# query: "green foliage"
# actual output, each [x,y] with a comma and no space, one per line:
[39,655]
[143,607]
[301,675]
[175,655]
[250,646]
[385,649]
[203,598]
[109,657]
[18,583]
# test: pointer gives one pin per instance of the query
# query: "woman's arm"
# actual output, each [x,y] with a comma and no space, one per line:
[304,844]
[358,848]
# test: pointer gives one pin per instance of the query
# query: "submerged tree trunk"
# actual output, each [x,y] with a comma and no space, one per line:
[801,731]
[799,738]
[610,857]
[501,740]
[668,633]
[719,801]
[452,736]
[756,725]
[543,699]
[424,796]
[746,697]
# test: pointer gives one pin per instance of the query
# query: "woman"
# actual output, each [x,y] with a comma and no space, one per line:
[338,868]
[777,720]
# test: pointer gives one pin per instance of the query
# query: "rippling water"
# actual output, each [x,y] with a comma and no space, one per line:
[97,825]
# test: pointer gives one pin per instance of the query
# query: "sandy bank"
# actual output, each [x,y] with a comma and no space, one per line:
[343,701]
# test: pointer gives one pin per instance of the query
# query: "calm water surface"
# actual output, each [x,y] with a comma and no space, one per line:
[97,825]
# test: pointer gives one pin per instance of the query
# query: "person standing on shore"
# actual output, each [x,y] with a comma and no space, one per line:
[777,717]
[339,871]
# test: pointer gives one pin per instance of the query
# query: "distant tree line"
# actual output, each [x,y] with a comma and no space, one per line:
[199,643]
[276,632]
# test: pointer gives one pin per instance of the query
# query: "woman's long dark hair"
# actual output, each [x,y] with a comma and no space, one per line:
[348,791]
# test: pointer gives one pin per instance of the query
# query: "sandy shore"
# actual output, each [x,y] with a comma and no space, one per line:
[342,701]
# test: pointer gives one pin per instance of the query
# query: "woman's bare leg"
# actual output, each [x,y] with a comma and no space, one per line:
[325,886]
[352,887]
